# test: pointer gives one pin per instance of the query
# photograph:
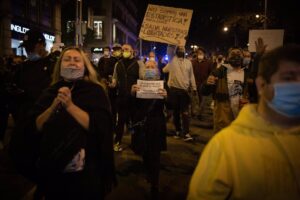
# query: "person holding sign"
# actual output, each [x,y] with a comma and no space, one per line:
[149,124]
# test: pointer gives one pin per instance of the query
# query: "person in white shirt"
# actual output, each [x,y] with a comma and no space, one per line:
[181,79]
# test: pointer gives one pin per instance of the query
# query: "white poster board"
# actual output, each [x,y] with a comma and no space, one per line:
[149,89]
[272,38]
[166,24]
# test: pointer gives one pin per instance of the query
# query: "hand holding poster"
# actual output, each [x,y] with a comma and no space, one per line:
[149,89]
[271,37]
[166,24]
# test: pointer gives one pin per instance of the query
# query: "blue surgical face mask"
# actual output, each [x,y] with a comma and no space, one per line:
[34,57]
[151,74]
[286,100]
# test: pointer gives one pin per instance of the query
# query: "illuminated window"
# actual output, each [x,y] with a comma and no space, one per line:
[70,26]
[98,29]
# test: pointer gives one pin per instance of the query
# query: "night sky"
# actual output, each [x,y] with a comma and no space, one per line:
[209,17]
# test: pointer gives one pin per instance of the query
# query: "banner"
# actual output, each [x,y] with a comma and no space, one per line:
[166,24]
[272,38]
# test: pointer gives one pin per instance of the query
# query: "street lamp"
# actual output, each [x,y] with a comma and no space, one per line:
[257,16]
[266,9]
[194,47]
[234,29]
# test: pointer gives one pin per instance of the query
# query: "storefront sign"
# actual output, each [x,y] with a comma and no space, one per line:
[23,30]
[96,49]
[18,28]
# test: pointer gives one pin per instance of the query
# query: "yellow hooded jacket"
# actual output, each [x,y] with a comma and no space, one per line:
[250,159]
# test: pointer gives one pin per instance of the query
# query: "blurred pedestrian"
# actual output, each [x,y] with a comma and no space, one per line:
[33,75]
[202,67]
[30,79]
[105,69]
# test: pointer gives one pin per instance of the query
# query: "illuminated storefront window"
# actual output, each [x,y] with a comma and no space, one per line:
[98,30]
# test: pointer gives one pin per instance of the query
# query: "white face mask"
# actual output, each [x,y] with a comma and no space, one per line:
[34,57]
[71,73]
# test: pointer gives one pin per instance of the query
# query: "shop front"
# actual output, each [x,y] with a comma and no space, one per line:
[17,35]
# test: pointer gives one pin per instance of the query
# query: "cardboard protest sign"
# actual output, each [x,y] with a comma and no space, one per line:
[166,24]
[149,89]
[272,38]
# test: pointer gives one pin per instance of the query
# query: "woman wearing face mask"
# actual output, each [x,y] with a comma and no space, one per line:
[149,139]
[73,119]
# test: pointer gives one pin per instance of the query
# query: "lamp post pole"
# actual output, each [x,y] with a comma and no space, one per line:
[78,29]
[80,23]
[266,18]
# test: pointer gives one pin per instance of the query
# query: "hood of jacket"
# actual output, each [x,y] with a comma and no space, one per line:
[251,119]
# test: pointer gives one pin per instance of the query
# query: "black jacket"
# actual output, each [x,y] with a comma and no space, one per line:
[127,74]
[97,141]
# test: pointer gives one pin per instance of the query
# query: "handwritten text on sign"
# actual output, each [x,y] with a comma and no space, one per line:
[166,24]
[149,89]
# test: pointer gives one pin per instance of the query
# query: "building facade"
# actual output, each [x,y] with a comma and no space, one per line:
[112,21]
[20,16]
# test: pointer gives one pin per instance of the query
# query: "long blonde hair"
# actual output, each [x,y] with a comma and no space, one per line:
[90,74]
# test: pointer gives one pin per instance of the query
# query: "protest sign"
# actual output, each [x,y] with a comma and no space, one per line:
[272,38]
[166,24]
[149,89]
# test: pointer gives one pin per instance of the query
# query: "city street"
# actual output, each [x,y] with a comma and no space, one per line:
[177,165]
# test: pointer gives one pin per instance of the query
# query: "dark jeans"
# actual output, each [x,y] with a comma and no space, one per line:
[180,101]
[3,121]
[123,110]
[112,94]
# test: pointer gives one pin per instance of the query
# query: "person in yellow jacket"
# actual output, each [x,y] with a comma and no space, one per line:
[258,155]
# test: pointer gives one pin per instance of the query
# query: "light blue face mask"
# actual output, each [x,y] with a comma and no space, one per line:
[286,100]
[151,74]
[34,57]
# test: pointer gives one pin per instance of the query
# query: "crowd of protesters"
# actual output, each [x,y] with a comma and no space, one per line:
[70,116]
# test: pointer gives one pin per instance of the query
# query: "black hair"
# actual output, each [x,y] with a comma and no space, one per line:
[269,63]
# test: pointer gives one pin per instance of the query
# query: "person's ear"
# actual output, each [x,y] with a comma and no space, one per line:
[260,84]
